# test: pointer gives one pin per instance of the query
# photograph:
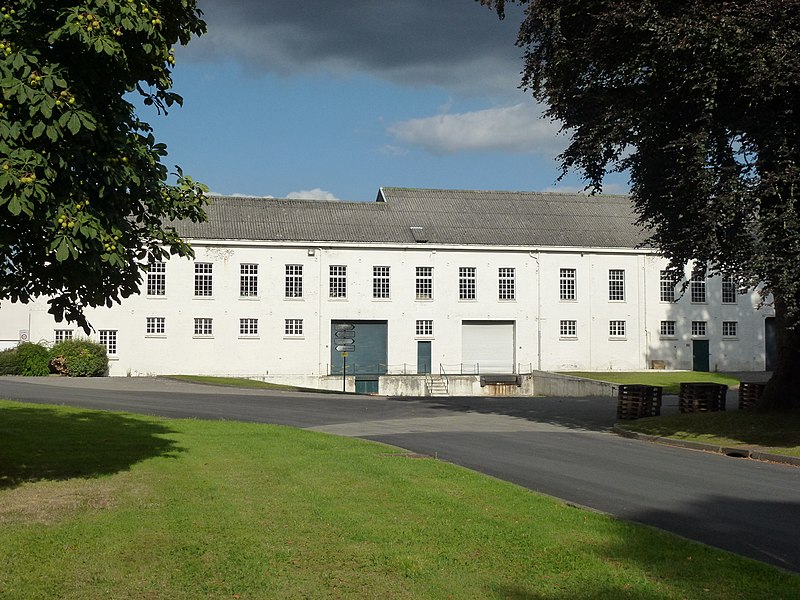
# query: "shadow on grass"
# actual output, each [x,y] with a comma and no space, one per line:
[57,444]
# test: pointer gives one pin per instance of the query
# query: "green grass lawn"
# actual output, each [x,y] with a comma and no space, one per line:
[111,505]
[771,432]
[670,380]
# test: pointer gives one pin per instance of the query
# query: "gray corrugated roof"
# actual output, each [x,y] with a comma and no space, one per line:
[448,217]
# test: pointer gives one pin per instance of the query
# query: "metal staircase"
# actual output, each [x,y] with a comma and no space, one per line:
[437,385]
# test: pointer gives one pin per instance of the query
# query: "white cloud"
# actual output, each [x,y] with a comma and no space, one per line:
[315,194]
[518,128]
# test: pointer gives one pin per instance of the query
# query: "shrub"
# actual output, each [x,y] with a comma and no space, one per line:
[8,361]
[32,359]
[79,358]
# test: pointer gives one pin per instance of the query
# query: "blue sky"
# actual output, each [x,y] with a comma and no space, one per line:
[319,99]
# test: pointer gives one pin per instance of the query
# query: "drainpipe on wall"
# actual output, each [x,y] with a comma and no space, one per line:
[538,308]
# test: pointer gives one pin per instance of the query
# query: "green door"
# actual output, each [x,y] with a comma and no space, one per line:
[369,350]
[700,353]
[423,357]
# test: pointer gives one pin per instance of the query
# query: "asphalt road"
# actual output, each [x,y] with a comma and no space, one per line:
[558,446]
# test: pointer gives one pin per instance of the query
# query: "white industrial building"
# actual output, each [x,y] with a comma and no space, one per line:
[433,281]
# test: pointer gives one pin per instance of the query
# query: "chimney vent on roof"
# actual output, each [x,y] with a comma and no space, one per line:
[419,234]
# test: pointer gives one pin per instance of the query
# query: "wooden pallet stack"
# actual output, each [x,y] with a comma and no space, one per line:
[638,401]
[750,393]
[702,397]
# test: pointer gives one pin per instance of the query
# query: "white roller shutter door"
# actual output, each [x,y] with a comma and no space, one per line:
[487,346]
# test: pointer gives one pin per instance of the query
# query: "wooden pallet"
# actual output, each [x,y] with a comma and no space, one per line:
[702,397]
[750,393]
[638,401]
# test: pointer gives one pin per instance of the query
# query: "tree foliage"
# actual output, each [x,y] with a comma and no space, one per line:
[85,201]
[698,102]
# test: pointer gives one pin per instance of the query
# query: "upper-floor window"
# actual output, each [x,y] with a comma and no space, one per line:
[467,280]
[156,325]
[424,327]
[248,280]
[203,279]
[698,288]
[293,327]
[108,339]
[63,334]
[506,283]
[380,282]
[667,286]
[728,290]
[248,326]
[616,284]
[156,278]
[424,283]
[338,281]
[616,328]
[203,326]
[568,328]
[294,281]
[566,284]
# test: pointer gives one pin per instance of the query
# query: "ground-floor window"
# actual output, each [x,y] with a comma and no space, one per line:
[63,334]
[293,327]
[108,339]
[203,326]
[568,328]
[667,329]
[730,329]
[616,329]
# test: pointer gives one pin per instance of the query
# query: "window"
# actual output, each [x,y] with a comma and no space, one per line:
[730,329]
[506,280]
[248,280]
[566,284]
[616,284]
[156,326]
[248,326]
[568,328]
[294,281]
[108,339]
[616,329]
[667,329]
[467,280]
[424,327]
[156,279]
[424,283]
[380,282]
[338,281]
[698,288]
[728,290]
[203,326]
[668,283]
[293,327]
[203,279]
[63,334]
[699,329]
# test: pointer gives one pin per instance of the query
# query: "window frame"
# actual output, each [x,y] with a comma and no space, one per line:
[248,327]
[728,290]
[568,284]
[203,279]
[109,340]
[337,282]
[507,284]
[616,285]
[568,329]
[617,329]
[424,328]
[667,329]
[203,327]
[667,284]
[62,335]
[248,280]
[727,325]
[699,329]
[155,326]
[157,278]
[293,281]
[467,283]
[423,283]
[698,293]
[293,328]
[381,282]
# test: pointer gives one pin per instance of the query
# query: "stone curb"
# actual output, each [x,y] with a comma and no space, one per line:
[726,450]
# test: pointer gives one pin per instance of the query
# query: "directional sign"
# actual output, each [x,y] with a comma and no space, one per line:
[343,326]
[345,334]
[345,349]
[346,342]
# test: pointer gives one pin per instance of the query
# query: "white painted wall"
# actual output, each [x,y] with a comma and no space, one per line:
[536,312]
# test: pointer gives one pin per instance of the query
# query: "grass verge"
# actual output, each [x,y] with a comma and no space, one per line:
[246,383]
[669,380]
[110,505]
[778,433]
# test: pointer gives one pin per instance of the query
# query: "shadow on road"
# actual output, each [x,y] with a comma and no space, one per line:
[587,414]
[46,444]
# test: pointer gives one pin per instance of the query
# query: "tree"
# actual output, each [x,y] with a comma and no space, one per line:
[699,103]
[85,201]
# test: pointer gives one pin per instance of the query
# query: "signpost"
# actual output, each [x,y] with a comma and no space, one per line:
[345,335]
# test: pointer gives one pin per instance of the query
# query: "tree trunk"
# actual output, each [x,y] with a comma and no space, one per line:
[783,390]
